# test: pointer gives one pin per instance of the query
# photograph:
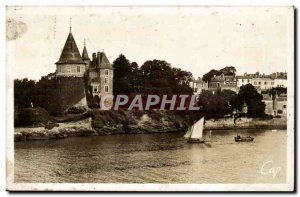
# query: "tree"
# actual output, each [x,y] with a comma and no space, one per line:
[24,91]
[122,75]
[160,78]
[207,77]
[121,67]
[136,78]
[218,104]
[278,91]
[248,94]
[228,70]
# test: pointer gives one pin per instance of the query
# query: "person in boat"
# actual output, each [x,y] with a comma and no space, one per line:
[238,137]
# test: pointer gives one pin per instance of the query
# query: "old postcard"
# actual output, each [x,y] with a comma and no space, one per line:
[150,98]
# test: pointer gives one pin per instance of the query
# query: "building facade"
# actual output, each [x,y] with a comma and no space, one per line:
[223,82]
[199,85]
[100,74]
[263,82]
[243,80]
[276,105]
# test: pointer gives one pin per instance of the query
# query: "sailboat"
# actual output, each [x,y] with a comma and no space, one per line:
[195,132]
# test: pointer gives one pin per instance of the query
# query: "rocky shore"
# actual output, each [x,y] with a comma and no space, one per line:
[108,124]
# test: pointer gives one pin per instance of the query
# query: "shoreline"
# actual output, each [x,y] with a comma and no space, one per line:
[84,128]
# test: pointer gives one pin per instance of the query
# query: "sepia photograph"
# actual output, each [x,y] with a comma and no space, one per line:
[150,98]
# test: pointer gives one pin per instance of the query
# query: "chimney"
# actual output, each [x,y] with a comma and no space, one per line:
[94,57]
[98,59]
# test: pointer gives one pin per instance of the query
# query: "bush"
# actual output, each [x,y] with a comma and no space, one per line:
[76,110]
[266,117]
[32,117]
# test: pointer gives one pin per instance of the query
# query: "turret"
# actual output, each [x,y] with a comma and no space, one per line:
[85,56]
[70,62]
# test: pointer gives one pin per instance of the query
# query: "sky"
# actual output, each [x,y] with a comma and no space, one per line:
[196,39]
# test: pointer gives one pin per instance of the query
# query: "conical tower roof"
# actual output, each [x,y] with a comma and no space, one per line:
[70,53]
[85,55]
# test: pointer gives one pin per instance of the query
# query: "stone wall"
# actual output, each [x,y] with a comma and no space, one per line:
[70,92]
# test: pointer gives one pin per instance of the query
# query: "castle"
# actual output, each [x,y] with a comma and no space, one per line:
[80,80]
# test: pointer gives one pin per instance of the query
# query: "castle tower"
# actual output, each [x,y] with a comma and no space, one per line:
[70,62]
[70,71]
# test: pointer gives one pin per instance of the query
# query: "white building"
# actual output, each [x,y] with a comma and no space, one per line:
[280,82]
[243,80]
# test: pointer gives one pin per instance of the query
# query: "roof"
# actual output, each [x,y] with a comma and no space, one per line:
[70,52]
[244,77]
[101,61]
[281,77]
[85,55]
[263,78]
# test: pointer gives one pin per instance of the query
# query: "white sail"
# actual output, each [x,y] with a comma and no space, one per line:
[197,129]
[188,133]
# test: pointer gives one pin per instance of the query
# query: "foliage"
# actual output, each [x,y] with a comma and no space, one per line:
[53,94]
[228,70]
[248,94]
[278,91]
[218,104]
[36,116]
[24,91]
[153,77]
[122,75]
[210,74]
[76,110]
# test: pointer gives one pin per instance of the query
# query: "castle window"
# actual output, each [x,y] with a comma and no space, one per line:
[265,83]
[106,72]
[105,80]
[73,69]
[78,69]
[93,74]
[68,69]
[106,88]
